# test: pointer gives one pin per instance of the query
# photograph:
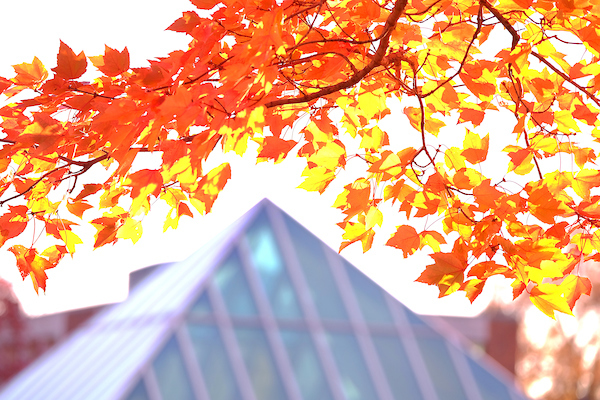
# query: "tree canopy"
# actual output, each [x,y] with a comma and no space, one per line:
[316,79]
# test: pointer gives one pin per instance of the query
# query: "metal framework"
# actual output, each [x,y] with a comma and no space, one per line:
[267,312]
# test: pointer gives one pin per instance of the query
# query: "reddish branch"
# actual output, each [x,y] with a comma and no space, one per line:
[566,77]
[505,22]
[388,28]
[85,164]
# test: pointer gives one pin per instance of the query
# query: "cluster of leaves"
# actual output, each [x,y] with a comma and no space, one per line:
[254,69]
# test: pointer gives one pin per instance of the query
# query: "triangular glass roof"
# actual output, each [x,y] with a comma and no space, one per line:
[264,312]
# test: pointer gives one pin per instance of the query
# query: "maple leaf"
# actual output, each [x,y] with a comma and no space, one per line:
[30,74]
[69,64]
[113,62]
[406,239]
[573,287]
[548,298]
[339,95]
[447,272]
[31,264]
[275,148]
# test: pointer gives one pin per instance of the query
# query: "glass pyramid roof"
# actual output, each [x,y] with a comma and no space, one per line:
[264,312]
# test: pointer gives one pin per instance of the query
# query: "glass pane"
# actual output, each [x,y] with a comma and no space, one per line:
[214,363]
[418,323]
[355,379]
[172,377]
[307,367]
[201,307]
[441,369]
[139,392]
[317,272]
[489,387]
[397,367]
[369,296]
[259,364]
[267,261]
[231,281]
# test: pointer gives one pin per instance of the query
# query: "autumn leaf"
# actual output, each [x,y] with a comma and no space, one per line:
[447,272]
[475,148]
[31,264]
[30,74]
[574,286]
[406,239]
[274,148]
[113,62]
[70,65]
[205,4]
[548,298]
[520,188]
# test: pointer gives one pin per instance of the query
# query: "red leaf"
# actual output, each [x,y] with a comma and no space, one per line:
[70,65]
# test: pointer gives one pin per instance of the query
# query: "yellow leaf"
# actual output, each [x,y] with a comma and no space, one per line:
[131,229]
[317,179]
[70,239]
[374,217]
[549,298]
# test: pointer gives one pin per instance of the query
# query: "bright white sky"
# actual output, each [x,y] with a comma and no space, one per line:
[34,27]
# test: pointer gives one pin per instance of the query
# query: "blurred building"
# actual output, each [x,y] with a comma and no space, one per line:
[265,311]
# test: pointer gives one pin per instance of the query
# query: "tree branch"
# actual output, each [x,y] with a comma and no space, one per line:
[566,77]
[505,22]
[389,26]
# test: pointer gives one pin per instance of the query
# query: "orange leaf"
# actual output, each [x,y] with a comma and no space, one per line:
[548,298]
[4,84]
[275,148]
[186,23]
[78,207]
[31,264]
[113,62]
[13,223]
[70,65]
[473,288]
[574,286]
[447,272]
[30,74]
[87,190]
[406,239]
[205,4]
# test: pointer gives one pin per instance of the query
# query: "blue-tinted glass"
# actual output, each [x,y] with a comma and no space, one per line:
[307,368]
[397,367]
[370,297]
[214,363]
[268,262]
[231,282]
[139,392]
[441,369]
[418,323]
[201,307]
[171,374]
[317,272]
[355,379]
[259,364]
[489,387]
